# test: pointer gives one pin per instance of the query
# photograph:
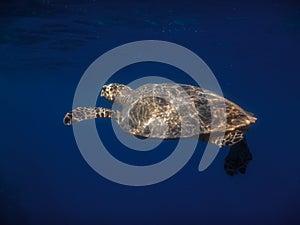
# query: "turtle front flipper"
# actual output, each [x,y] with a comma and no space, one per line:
[238,158]
[85,113]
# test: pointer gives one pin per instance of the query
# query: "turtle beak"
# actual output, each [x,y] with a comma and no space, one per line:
[102,91]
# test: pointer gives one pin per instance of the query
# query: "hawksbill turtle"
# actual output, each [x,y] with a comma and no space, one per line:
[172,111]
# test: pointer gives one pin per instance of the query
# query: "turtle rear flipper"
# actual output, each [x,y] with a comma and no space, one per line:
[238,158]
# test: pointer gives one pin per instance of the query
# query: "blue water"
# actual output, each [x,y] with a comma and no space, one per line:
[253,50]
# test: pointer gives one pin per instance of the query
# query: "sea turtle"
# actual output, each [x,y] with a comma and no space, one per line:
[172,111]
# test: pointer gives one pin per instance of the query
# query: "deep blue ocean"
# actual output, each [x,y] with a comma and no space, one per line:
[46,46]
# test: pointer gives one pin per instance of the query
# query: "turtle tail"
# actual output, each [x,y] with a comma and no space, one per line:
[85,113]
[238,158]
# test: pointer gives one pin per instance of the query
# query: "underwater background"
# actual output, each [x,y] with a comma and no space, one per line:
[46,46]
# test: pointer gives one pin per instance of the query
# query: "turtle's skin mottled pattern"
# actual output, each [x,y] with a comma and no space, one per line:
[83,113]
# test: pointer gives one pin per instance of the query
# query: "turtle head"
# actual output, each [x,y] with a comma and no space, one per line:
[115,93]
